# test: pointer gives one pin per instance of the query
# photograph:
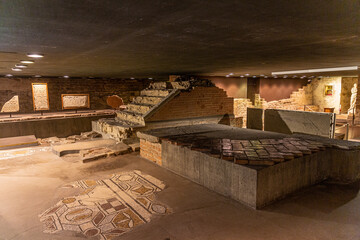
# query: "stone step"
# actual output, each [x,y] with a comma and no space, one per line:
[147,100]
[117,130]
[138,108]
[128,116]
[155,92]
[160,85]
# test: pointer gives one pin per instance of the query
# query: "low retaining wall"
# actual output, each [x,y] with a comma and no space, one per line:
[43,128]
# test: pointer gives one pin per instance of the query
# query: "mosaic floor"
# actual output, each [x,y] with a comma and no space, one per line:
[106,208]
[8,154]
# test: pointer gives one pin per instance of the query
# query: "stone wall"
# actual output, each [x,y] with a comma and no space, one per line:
[99,90]
[318,90]
[300,100]
[240,108]
[197,103]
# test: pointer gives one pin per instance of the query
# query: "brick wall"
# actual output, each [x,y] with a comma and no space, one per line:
[98,89]
[151,151]
[199,102]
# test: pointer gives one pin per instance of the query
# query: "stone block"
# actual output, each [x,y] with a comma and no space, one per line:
[254,118]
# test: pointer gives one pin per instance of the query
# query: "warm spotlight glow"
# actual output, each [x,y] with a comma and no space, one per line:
[27,61]
[247,74]
[20,65]
[66,76]
[35,55]
[37,76]
[8,75]
[16,69]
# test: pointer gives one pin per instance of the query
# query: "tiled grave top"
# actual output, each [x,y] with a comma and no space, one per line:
[215,131]
[261,152]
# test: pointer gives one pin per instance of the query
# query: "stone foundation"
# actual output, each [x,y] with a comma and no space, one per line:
[253,167]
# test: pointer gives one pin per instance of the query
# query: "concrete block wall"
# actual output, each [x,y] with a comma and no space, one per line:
[199,102]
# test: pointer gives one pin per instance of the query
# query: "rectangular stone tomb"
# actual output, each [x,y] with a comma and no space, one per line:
[250,166]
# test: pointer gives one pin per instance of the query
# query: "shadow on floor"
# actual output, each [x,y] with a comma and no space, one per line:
[324,198]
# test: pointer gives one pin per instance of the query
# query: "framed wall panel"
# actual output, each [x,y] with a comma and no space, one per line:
[40,96]
[75,101]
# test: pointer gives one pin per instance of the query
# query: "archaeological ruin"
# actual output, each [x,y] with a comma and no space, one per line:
[175,120]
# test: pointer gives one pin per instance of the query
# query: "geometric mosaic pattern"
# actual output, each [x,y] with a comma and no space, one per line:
[106,208]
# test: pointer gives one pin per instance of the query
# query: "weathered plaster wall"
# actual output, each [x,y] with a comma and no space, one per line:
[272,89]
[99,90]
[319,98]
[235,87]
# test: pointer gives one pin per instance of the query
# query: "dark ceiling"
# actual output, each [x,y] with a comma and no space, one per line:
[150,38]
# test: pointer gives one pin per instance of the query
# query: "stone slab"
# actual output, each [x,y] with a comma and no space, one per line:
[289,122]
[18,142]
[62,150]
[93,154]
[254,118]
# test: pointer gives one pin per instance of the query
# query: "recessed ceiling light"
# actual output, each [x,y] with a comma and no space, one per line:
[132,78]
[231,74]
[17,69]
[150,78]
[336,69]
[37,76]
[242,76]
[20,65]
[262,75]
[27,61]
[8,75]
[254,76]
[285,76]
[35,55]
[66,76]
[227,75]
[247,74]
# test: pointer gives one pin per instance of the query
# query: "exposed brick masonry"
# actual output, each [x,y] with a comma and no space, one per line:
[200,102]
[151,151]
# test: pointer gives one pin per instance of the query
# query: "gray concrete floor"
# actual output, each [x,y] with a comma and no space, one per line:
[31,184]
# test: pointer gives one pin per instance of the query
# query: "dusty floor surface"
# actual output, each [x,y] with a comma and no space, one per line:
[29,185]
